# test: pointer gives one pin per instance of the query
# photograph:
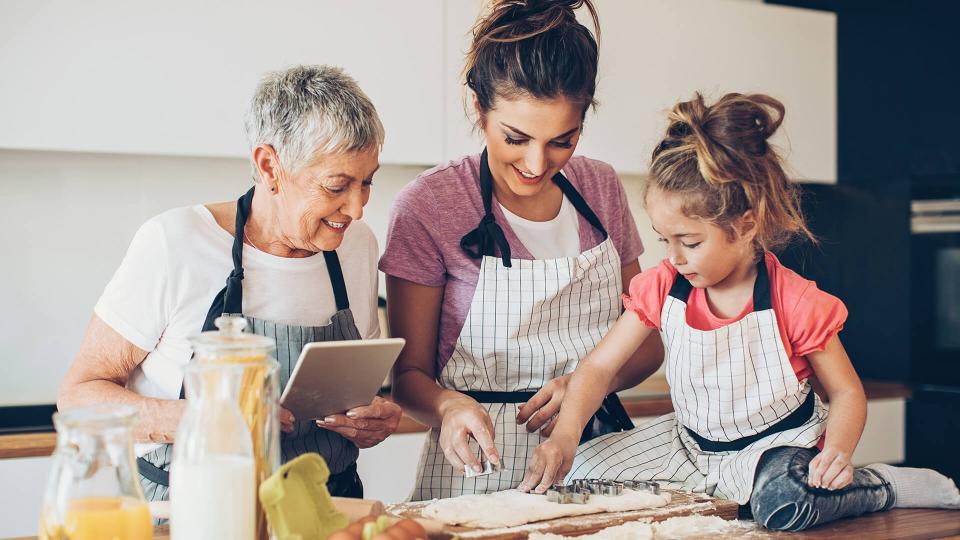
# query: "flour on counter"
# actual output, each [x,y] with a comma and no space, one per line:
[670,529]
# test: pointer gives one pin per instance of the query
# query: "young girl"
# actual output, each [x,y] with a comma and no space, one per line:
[744,334]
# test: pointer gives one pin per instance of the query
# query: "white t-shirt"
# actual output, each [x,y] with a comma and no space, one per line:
[177,263]
[559,237]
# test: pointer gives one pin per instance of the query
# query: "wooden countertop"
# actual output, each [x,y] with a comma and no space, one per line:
[900,523]
[651,398]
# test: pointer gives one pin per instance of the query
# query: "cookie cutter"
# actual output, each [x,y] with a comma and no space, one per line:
[642,485]
[488,468]
[599,486]
[567,494]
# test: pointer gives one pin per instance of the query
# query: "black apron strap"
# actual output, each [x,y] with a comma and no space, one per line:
[153,473]
[336,280]
[761,288]
[230,298]
[609,418]
[579,203]
[489,235]
[793,420]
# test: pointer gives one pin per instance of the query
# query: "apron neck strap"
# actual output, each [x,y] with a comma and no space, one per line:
[230,299]
[761,287]
[489,236]
[336,280]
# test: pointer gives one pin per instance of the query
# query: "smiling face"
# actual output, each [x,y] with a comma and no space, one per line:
[529,140]
[706,254]
[314,205]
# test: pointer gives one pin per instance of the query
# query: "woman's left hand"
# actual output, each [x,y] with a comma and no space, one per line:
[830,469]
[368,425]
[540,412]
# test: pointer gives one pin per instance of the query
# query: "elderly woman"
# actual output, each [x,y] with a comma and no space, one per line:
[314,140]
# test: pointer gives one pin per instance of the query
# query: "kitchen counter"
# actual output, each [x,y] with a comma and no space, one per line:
[651,398]
[894,524]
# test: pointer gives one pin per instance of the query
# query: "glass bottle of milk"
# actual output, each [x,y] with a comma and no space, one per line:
[214,471]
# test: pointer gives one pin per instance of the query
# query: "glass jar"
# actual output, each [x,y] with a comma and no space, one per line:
[228,366]
[94,491]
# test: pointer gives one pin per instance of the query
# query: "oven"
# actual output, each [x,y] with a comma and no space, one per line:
[935,289]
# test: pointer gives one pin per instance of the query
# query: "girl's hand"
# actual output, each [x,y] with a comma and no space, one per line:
[830,469]
[551,461]
[540,412]
[462,419]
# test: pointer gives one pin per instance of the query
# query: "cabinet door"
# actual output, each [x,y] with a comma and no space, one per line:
[657,52]
[175,77]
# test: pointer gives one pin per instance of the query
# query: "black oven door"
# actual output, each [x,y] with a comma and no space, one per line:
[935,291]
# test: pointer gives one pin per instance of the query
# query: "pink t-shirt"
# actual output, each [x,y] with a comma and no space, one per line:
[808,317]
[432,213]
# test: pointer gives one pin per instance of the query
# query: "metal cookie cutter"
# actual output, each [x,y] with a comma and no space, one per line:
[488,468]
[642,485]
[567,494]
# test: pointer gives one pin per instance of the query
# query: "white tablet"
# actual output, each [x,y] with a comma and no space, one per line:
[332,377]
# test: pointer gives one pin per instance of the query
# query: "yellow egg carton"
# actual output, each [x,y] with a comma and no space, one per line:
[297,503]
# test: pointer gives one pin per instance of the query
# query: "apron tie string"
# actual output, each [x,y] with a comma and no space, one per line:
[482,240]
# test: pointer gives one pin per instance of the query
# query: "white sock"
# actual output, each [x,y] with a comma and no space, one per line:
[919,488]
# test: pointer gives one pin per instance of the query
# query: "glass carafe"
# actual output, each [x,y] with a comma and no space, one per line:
[229,365]
[94,491]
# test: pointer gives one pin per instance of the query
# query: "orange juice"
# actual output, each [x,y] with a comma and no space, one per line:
[104,518]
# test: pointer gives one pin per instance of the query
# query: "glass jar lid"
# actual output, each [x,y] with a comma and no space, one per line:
[230,338]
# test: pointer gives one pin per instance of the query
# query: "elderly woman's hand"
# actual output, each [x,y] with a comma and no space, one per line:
[368,425]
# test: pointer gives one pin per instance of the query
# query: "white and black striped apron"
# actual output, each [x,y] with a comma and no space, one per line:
[735,395]
[530,321]
[339,453]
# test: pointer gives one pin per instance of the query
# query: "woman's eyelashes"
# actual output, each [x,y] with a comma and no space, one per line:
[558,144]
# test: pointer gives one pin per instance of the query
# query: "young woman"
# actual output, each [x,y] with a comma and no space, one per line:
[505,268]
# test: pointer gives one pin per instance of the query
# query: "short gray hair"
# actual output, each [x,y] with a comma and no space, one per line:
[308,110]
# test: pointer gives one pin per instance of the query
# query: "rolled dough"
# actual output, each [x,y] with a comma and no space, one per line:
[510,508]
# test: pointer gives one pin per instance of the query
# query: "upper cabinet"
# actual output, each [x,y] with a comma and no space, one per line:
[176,77]
[654,53]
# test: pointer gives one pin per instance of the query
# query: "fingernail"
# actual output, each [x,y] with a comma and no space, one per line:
[328,420]
[478,468]
[351,414]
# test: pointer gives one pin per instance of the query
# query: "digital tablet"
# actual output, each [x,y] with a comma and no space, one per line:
[332,377]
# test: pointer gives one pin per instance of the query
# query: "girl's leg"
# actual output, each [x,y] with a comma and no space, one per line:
[783,501]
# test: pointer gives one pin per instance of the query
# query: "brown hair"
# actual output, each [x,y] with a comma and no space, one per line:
[717,157]
[535,48]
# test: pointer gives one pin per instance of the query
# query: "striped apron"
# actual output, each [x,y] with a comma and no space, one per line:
[530,321]
[735,395]
[339,453]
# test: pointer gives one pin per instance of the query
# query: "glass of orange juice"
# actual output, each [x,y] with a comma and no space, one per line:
[93,491]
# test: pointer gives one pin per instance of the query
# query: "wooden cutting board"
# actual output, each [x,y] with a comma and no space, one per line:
[681,504]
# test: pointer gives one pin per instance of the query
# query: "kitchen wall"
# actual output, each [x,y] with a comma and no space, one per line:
[67,219]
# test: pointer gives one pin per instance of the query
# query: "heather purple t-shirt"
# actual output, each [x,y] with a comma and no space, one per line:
[431,215]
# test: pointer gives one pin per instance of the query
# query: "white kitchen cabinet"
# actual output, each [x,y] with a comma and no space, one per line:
[656,52]
[176,77]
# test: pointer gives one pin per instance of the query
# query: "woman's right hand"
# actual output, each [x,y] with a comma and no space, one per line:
[287,421]
[464,418]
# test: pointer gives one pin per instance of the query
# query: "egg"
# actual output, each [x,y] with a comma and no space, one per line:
[414,529]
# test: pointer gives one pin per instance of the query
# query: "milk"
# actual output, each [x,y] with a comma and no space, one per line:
[213,499]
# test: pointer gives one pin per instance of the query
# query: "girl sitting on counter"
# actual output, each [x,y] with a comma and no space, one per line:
[744,334]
